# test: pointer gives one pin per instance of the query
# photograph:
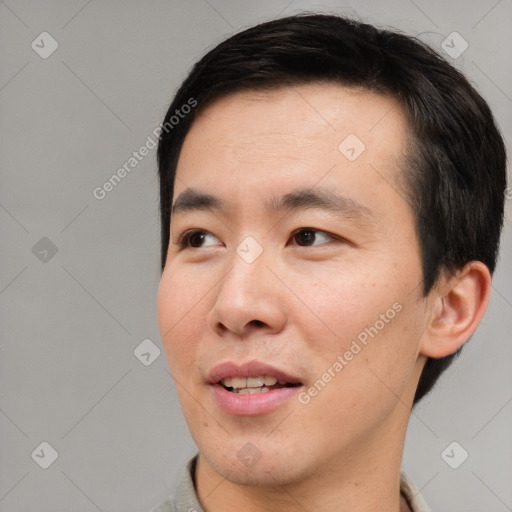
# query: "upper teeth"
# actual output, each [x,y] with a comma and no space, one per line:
[250,382]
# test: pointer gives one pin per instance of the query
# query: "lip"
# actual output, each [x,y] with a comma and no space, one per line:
[250,405]
[249,369]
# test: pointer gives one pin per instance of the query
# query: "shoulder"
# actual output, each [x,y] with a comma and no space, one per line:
[166,506]
[412,494]
[184,497]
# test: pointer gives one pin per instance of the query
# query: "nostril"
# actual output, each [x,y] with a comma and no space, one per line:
[257,323]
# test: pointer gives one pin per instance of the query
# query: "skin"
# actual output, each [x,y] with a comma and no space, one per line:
[300,305]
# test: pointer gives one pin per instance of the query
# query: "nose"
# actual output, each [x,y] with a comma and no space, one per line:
[250,300]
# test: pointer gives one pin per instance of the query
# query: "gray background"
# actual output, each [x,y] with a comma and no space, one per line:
[70,324]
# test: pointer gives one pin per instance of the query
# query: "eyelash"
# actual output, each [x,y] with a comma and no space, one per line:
[184,239]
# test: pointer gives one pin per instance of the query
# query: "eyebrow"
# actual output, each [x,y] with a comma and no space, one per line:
[300,199]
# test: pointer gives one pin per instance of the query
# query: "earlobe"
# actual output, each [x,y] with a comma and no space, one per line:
[459,303]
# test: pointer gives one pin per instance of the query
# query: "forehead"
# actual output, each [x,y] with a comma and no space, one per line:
[274,140]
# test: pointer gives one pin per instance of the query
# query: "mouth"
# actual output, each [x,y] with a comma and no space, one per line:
[252,389]
[254,385]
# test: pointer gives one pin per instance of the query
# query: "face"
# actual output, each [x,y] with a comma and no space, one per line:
[290,304]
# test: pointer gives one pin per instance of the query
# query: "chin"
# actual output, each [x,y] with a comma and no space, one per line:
[248,465]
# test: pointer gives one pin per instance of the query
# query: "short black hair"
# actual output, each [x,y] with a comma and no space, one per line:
[455,167]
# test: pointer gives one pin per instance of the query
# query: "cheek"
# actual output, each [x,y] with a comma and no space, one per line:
[181,303]
[380,348]
[358,385]
[340,304]
[370,319]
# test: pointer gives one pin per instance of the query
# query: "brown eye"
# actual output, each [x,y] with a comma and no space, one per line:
[305,237]
[194,239]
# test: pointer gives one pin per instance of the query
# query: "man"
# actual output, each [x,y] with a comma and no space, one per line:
[331,210]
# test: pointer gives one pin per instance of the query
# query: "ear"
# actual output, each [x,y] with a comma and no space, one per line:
[458,304]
